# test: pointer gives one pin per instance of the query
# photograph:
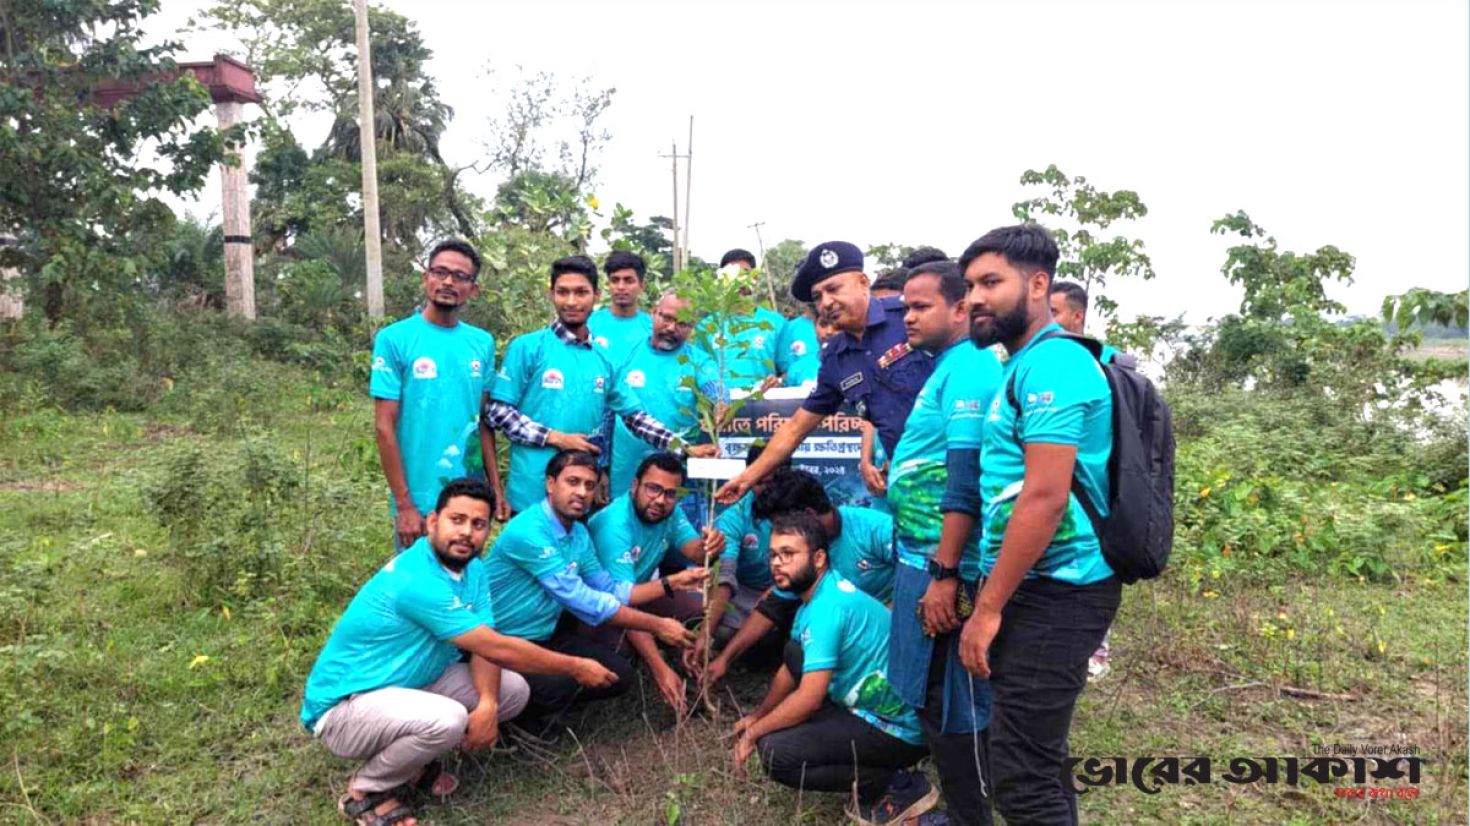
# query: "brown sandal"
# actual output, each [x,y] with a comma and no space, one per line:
[363,810]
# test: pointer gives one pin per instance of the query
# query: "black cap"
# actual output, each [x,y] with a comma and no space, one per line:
[823,262]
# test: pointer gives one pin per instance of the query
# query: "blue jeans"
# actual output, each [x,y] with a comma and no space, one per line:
[966,699]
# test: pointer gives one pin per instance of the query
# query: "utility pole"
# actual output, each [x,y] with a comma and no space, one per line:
[769,276]
[367,142]
[688,177]
[674,157]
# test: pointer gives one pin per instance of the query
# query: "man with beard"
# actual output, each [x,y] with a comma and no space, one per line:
[860,549]
[655,370]
[621,324]
[558,375]
[1047,587]
[543,570]
[830,721]
[632,535]
[868,363]
[430,374]
[934,492]
[389,688]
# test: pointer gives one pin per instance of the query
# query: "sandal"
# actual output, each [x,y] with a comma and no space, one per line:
[363,810]
[432,772]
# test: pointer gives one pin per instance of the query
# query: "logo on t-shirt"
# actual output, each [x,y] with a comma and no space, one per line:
[380,363]
[475,368]
[750,541]
[845,586]
[798,348]
[597,386]
[637,552]
[425,368]
[601,341]
[636,378]
[760,341]
[552,379]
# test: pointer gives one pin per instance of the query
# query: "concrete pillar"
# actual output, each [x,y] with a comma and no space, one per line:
[239,248]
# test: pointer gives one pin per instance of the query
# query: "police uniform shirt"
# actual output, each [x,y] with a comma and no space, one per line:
[879,375]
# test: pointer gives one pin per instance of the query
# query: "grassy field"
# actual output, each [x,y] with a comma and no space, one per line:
[153,681]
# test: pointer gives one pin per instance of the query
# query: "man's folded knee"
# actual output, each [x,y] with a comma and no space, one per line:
[515,693]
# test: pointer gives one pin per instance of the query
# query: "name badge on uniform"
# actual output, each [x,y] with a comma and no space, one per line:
[852,381]
[894,353]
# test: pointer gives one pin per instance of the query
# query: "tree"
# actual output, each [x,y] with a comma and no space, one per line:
[73,188]
[304,54]
[1085,212]
[1426,308]
[780,267]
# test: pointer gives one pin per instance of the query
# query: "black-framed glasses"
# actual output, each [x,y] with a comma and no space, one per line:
[785,557]
[458,276]
[658,491]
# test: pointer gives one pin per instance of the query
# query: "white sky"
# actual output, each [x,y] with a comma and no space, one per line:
[1330,123]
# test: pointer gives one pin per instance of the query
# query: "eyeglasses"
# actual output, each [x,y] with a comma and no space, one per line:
[658,491]
[459,277]
[786,557]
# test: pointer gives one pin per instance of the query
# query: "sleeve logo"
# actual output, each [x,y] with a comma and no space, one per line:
[475,365]
[636,378]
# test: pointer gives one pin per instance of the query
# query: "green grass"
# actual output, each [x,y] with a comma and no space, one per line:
[137,689]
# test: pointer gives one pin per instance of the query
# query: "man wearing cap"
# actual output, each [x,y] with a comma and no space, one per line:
[868,363]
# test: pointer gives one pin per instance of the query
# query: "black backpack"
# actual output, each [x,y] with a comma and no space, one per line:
[1138,533]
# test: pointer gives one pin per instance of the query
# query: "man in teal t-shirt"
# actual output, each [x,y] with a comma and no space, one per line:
[557,375]
[621,324]
[543,563]
[861,550]
[659,370]
[830,720]
[1049,425]
[636,532]
[430,374]
[933,491]
[389,689]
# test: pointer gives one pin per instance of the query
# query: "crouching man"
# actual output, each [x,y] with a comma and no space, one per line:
[545,575]
[389,687]
[831,722]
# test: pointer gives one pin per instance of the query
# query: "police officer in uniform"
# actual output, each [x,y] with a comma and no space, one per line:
[868,363]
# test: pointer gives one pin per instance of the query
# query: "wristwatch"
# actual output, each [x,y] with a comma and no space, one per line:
[938,571]
[668,589]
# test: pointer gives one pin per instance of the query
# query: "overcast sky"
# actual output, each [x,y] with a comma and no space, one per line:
[1330,123]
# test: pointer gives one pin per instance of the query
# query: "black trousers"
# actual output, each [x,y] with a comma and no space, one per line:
[1038,665]
[834,748]
[552,694]
[960,760]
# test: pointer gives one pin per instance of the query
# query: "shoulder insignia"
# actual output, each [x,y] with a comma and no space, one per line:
[894,353]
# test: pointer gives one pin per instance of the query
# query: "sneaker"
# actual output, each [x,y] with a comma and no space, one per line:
[1097,667]
[909,794]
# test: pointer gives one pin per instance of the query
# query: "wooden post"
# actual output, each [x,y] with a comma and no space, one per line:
[239,246]
[368,143]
